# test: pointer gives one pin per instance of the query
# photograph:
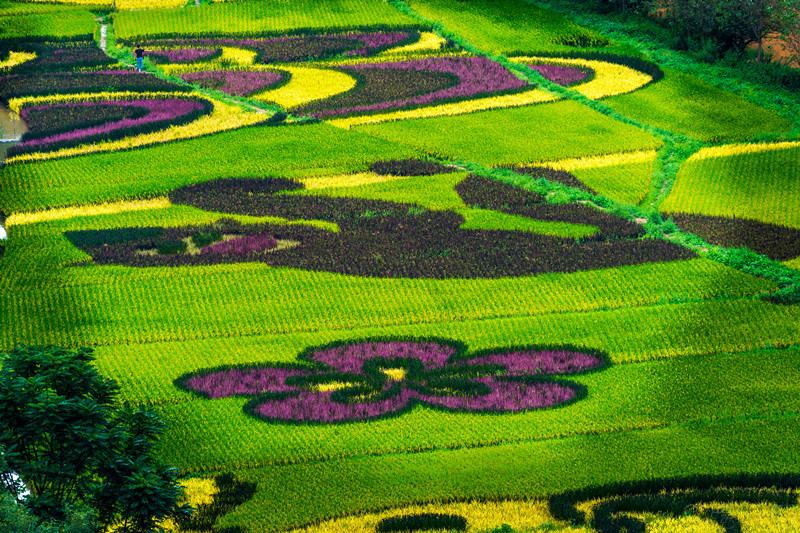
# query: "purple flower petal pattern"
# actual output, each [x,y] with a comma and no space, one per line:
[150,114]
[536,362]
[320,407]
[561,74]
[243,381]
[371,379]
[235,82]
[183,55]
[506,396]
[465,77]
[350,358]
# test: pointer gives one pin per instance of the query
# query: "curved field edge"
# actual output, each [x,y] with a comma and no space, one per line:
[669,392]
[538,469]
[757,181]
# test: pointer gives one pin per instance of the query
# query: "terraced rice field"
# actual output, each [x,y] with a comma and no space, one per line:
[412,265]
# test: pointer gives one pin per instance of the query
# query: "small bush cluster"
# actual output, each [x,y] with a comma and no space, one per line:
[580,39]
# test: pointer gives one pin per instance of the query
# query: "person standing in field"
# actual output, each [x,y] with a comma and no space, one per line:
[139,52]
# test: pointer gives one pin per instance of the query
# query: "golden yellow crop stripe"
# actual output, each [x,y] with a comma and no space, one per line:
[738,149]
[610,78]
[347,180]
[307,84]
[16,104]
[231,58]
[222,118]
[16,58]
[111,208]
[481,516]
[534,96]
[428,42]
[599,161]
[196,492]
[533,515]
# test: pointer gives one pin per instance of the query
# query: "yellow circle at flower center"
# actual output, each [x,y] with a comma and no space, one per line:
[395,374]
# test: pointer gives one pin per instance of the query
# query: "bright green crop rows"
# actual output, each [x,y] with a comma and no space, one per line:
[627,183]
[705,112]
[437,193]
[517,470]
[667,392]
[15,8]
[67,23]
[109,305]
[145,172]
[761,186]
[703,374]
[504,26]
[258,17]
[522,135]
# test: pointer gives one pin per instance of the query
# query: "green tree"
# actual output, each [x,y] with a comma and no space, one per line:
[744,22]
[72,446]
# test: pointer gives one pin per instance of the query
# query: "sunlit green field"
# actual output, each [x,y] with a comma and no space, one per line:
[471,202]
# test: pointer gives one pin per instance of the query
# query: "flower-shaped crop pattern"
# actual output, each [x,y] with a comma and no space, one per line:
[376,378]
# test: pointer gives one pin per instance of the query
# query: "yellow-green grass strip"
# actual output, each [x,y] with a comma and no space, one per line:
[623,177]
[755,183]
[348,180]
[729,150]
[517,135]
[533,96]
[111,208]
[120,4]
[259,18]
[601,161]
[139,213]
